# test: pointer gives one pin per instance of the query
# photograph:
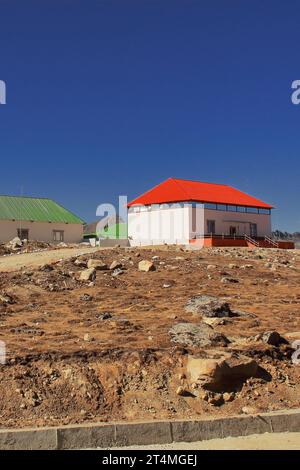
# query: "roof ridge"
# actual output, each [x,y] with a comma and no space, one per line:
[151,189]
[28,197]
[205,182]
[183,189]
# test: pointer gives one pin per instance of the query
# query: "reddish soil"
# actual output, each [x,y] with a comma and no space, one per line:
[67,364]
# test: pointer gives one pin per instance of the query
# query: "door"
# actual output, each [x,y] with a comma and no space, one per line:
[58,235]
[232,231]
[23,233]
[253,230]
[211,227]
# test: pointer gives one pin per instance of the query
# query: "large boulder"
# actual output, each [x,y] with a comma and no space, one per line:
[196,335]
[209,306]
[222,373]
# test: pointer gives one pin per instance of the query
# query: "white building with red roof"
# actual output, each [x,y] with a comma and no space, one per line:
[180,211]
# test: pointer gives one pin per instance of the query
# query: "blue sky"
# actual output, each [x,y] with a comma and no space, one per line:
[109,97]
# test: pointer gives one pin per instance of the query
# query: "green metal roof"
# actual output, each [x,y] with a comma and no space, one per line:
[35,209]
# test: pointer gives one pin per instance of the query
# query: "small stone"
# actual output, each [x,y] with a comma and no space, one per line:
[249,410]
[80,263]
[115,265]
[216,399]
[181,391]
[88,338]
[117,272]
[46,268]
[97,264]
[227,397]
[88,275]
[146,266]
[229,280]
[273,338]
[86,297]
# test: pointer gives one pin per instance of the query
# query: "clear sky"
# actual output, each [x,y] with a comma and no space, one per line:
[109,97]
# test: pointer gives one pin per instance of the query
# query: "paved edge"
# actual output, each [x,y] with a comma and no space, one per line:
[92,436]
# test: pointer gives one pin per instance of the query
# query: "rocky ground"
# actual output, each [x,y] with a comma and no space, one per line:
[126,334]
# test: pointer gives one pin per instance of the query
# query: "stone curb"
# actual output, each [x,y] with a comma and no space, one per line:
[92,436]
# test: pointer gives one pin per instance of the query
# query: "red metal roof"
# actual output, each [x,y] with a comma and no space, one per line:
[177,190]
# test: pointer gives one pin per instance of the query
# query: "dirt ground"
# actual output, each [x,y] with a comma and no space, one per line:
[101,350]
[34,260]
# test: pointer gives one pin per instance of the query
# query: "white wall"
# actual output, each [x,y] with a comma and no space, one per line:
[178,225]
[41,231]
[159,226]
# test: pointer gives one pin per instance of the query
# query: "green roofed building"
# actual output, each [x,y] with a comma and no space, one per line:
[40,219]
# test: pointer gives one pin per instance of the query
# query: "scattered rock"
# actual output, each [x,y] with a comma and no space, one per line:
[220,373]
[229,280]
[15,243]
[249,410]
[88,275]
[181,391]
[7,299]
[97,264]
[104,316]
[88,338]
[215,321]
[115,265]
[146,266]
[168,284]
[80,262]
[117,272]
[216,399]
[227,397]
[46,268]
[273,338]
[211,267]
[196,335]
[86,297]
[209,306]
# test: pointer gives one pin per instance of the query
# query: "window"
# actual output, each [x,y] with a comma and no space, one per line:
[194,220]
[221,207]
[208,205]
[264,211]
[252,210]
[58,235]
[231,208]
[241,209]
[211,226]
[23,233]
